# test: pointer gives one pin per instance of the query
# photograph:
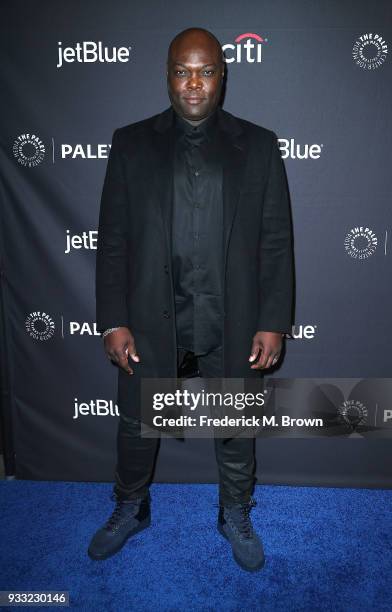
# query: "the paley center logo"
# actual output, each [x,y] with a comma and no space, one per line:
[247,47]
[370,51]
[85,151]
[40,325]
[89,51]
[354,414]
[360,242]
[29,150]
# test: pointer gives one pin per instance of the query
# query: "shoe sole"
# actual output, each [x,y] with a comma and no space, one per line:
[255,568]
[142,525]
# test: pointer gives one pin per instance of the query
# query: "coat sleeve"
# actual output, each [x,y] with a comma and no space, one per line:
[111,256]
[276,250]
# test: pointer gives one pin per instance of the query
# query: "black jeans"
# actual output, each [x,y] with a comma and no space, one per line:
[136,455]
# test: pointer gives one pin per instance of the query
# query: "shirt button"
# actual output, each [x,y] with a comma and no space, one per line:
[197,173]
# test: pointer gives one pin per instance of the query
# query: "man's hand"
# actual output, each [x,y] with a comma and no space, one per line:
[120,344]
[266,348]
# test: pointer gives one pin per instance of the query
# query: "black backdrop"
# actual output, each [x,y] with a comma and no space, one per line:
[319,75]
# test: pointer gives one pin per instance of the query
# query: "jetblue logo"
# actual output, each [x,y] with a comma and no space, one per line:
[85,240]
[91,52]
[293,150]
[302,332]
[97,407]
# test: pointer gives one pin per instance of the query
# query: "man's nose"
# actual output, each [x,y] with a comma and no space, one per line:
[194,83]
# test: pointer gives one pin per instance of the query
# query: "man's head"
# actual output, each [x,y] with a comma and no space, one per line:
[195,70]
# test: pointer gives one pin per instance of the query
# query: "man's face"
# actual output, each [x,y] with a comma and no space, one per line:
[194,76]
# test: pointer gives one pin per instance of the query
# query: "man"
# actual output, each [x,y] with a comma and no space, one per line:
[194,275]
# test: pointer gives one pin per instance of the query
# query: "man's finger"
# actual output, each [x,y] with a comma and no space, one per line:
[123,362]
[256,348]
[261,362]
[267,362]
[132,353]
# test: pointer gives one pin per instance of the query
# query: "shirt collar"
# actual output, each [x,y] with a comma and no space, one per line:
[205,128]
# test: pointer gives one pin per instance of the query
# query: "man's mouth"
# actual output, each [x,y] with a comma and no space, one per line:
[193,99]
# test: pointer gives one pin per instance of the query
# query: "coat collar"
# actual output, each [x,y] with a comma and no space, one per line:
[226,122]
[206,130]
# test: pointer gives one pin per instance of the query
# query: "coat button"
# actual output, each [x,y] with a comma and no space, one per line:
[166,314]
[166,268]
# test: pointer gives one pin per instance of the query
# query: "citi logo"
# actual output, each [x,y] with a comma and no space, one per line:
[289,148]
[247,48]
[91,52]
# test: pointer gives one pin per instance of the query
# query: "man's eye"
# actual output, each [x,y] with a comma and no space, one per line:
[183,72]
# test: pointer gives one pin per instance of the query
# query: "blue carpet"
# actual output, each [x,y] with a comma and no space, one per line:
[326,549]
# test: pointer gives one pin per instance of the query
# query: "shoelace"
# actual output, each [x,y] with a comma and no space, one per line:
[112,522]
[244,525]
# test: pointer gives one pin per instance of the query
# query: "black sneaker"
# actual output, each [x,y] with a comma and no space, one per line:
[127,519]
[235,525]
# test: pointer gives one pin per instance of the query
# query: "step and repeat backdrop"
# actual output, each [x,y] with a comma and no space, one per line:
[320,76]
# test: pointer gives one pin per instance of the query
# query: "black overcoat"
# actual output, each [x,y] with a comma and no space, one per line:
[134,285]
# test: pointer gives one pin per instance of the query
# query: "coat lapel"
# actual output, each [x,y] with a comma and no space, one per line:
[163,180]
[234,158]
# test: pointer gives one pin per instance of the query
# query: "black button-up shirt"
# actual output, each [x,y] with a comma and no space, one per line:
[197,235]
